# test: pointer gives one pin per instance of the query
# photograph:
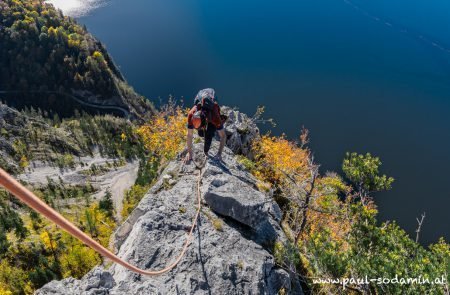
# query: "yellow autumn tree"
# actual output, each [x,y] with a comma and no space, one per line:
[75,258]
[164,136]
[98,224]
[315,217]
[278,160]
[99,57]
[48,240]
[13,280]
[331,211]
[79,260]
[313,201]
[23,163]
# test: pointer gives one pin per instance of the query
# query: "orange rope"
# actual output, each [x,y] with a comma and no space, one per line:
[23,194]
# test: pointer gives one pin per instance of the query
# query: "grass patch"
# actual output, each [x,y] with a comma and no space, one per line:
[216,222]
[246,162]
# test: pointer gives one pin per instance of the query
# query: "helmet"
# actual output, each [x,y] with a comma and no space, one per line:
[204,93]
[197,119]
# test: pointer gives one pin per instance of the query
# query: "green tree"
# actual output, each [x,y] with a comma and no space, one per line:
[106,204]
[91,223]
[386,251]
[363,172]
[132,197]
[9,221]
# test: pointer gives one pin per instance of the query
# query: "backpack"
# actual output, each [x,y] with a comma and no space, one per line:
[207,103]
[205,98]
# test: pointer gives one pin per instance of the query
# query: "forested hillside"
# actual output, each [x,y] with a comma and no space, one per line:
[55,78]
[42,50]
[78,155]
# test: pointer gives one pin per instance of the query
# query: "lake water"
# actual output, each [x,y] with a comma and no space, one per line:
[365,76]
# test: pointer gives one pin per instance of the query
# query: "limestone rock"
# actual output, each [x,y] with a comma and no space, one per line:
[233,258]
[240,130]
[97,281]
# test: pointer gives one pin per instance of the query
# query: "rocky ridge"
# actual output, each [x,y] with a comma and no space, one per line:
[231,249]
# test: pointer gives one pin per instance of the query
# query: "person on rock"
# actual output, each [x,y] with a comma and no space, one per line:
[206,119]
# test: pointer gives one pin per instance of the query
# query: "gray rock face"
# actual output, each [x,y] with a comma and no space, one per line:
[97,281]
[231,191]
[229,253]
[240,130]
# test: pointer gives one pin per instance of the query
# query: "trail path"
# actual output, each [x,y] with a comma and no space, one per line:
[78,100]
[116,180]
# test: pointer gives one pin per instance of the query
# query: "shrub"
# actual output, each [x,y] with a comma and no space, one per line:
[65,160]
[13,280]
[106,204]
[132,197]
[217,224]
[164,136]
[23,163]
[277,158]
[246,162]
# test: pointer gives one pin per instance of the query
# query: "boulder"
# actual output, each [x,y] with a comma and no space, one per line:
[97,281]
[241,131]
[231,191]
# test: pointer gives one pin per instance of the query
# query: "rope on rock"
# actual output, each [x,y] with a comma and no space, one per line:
[27,197]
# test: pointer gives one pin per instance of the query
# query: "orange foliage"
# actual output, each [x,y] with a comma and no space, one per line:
[335,221]
[277,158]
[328,213]
[285,164]
[165,134]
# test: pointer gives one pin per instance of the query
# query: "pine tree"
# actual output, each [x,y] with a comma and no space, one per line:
[106,204]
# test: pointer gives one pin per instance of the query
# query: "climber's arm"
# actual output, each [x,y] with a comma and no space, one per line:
[190,135]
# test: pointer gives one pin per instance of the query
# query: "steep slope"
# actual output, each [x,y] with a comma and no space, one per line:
[231,250]
[28,136]
[49,61]
[16,138]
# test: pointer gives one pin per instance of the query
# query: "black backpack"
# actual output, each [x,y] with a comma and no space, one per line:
[205,99]
[207,103]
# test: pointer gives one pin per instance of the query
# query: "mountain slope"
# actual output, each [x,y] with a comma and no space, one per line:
[30,136]
[46,58]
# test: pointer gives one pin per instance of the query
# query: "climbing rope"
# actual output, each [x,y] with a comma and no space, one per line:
[23,194]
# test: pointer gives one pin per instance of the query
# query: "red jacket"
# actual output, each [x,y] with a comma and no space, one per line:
[214,118]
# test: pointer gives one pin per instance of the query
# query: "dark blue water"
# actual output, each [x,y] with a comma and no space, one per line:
[366,76]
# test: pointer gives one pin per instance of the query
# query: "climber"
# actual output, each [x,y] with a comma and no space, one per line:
[205,117]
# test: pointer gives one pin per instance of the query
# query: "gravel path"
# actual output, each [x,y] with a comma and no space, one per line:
[117,180]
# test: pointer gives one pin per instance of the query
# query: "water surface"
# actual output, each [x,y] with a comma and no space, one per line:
[76,8]
[366,76]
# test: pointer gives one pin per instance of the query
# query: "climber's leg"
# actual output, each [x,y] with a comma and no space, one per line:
[209,134]
[201,132]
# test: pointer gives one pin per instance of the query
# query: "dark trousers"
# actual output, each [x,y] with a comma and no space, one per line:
[208,133]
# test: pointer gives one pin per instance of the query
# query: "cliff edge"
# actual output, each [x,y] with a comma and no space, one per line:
[233,240]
